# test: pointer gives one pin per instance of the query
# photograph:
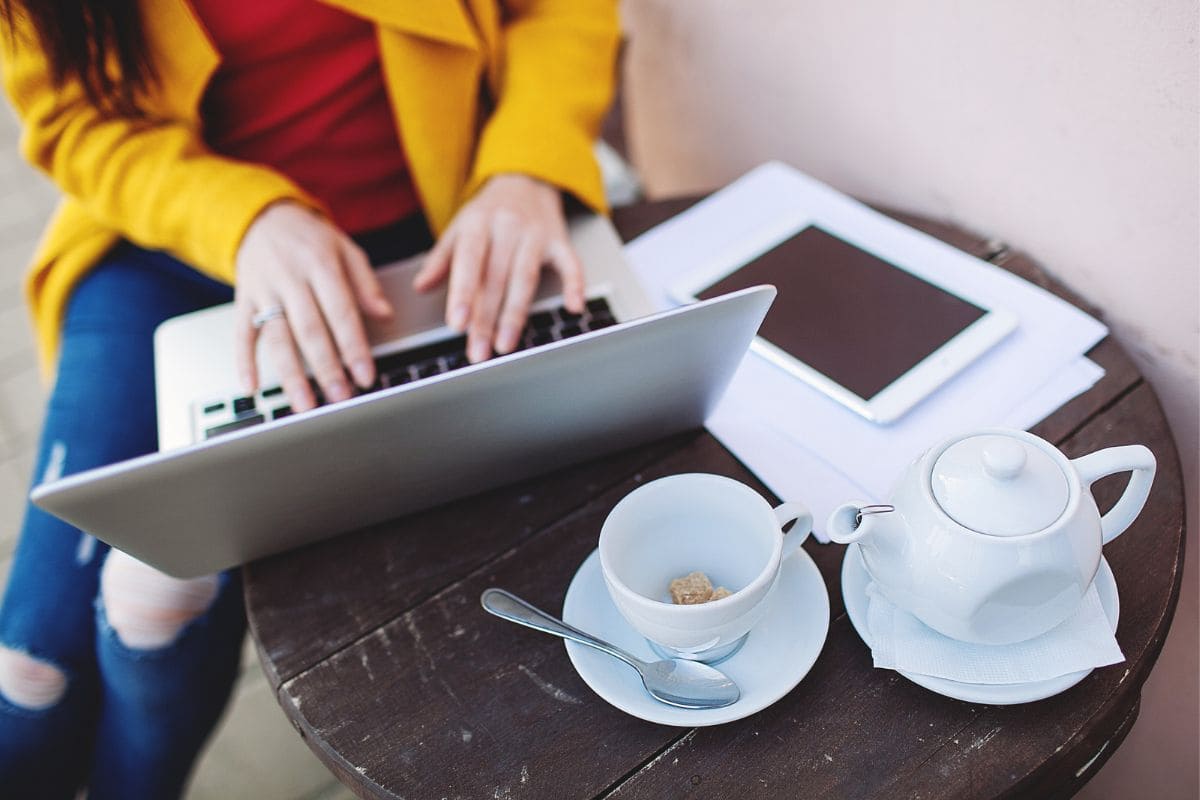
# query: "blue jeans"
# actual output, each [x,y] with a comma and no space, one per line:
[131,721]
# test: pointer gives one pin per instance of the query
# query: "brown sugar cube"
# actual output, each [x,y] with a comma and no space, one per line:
[720,592]
[691,589]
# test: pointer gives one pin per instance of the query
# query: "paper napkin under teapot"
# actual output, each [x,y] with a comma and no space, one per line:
[900,641]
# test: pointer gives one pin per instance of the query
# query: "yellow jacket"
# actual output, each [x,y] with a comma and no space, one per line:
[547,66]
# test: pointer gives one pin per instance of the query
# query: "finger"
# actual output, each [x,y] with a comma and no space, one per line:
[522,285]
[570,269]
[343,319]
[245,336]
[366,286]
[280,348]
[437,263]
[312,337]
[486,306]
[466,266]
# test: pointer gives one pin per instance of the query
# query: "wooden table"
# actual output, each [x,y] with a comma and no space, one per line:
[384,661]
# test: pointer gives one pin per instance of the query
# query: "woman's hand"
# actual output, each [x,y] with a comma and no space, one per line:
[293,259]
[493,252]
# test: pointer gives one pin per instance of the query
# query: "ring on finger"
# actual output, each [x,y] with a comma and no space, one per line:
[266,315]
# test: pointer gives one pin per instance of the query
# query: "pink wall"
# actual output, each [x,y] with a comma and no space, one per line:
[1069,130]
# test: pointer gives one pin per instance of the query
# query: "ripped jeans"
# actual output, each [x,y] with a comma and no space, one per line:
[111,674]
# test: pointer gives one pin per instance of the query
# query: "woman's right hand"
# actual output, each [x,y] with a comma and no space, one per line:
[294,259]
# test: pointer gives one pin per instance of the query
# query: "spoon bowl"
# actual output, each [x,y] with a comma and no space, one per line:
[688,684]
[673,681]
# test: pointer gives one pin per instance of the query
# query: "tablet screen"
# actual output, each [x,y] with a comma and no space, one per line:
[851,316]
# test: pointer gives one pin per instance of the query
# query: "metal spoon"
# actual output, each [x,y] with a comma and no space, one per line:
[676,681]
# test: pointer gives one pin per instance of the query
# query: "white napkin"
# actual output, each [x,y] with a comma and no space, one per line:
[900,641]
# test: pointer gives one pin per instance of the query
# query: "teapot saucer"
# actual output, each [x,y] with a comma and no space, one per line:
[777,654]
[854,592]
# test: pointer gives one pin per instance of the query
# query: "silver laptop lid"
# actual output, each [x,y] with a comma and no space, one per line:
[262,490]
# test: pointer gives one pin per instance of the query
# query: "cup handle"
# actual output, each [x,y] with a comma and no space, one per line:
[787,512]
[1131,458]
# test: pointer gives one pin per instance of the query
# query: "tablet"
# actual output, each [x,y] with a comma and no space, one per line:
[866,332]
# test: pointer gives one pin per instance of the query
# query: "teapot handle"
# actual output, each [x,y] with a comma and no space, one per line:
[1109,461]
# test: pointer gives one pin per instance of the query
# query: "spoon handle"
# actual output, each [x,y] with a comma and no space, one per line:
[512,608]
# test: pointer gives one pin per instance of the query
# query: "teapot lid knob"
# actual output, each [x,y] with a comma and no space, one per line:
[1003,459]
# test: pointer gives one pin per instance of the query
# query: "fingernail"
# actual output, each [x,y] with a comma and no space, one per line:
[479,351]
[340,390]
[458,317]
[383,307]
[362,372]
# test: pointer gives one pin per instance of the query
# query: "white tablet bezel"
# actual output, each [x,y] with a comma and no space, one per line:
[898,397]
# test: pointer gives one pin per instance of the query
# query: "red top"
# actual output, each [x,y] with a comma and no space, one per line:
[300,89]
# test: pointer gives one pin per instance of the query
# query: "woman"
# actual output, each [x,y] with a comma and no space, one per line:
[279,147]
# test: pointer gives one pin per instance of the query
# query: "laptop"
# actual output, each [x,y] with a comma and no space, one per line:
[241,477]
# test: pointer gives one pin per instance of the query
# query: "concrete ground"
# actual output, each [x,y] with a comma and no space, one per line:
[255,752]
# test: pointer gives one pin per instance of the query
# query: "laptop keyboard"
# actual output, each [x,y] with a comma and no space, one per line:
[225,415]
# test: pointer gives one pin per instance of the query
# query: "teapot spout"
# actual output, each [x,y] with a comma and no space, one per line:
[852,521]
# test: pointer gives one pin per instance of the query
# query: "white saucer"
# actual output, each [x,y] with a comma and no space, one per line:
[777,653]
[854,591]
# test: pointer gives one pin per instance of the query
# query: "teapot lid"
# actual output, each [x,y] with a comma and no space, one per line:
[1000,485]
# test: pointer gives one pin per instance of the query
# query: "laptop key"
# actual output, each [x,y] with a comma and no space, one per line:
[230,427]
[397,377]
[600,321]
[281,412]
[541,321]
[243,404]
[426,369]
[456,360]
[272,391]
[567,331]
[213,408]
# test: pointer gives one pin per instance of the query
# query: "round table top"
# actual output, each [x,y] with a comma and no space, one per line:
[403,686]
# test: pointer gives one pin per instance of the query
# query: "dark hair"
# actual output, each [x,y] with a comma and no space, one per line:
[83,40]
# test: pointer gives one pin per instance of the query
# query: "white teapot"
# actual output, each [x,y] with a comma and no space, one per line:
[994,537]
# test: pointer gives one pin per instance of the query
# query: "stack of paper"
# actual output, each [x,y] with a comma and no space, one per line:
[802,444]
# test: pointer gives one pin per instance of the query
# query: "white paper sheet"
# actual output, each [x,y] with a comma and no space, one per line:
[1066,384]
[806,446]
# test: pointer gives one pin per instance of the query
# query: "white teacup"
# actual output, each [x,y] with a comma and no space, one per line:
[696,522]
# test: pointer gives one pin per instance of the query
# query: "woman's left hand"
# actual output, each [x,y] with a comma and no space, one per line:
[493,252]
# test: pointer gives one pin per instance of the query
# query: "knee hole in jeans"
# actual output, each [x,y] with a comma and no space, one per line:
[29,683]
[146,608]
